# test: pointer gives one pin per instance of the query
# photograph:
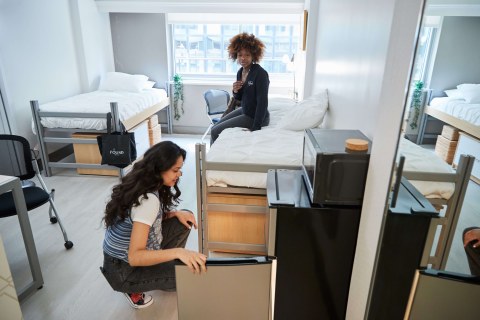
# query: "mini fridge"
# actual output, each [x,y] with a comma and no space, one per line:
[314,246]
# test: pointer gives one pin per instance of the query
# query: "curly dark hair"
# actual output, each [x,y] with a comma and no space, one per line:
[248,42]
[144,178]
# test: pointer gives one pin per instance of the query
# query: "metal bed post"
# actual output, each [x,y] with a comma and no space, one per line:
[464,170]
[169,109]
[199,153]
[424,118]
[39,131]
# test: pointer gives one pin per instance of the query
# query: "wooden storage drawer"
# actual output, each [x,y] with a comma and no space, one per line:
[471,146]
[227,226]
[89,153]
[445,148]
[153,121]
[450,133]
[155,134]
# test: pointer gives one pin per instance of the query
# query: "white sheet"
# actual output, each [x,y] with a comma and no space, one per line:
[458,108]
[267,146]
[129,104]
[423,160]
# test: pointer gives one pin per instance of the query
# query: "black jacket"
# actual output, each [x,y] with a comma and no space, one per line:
[254,95]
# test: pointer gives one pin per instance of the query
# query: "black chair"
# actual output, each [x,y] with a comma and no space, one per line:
[217,102]
[16,160]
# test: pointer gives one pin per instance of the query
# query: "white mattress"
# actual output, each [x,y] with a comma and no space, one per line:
[458,108]
[422,160]
[267,146]
[129,104]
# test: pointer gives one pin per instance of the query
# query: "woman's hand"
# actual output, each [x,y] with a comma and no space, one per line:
[472,235]
[237,85]
[193,260]
[185,217]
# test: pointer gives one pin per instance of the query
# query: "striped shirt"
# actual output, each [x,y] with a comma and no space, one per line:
[117,236]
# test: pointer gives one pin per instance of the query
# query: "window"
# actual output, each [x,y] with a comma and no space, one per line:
[424,54]
[201,49]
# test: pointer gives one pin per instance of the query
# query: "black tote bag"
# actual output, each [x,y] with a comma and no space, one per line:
[117,148]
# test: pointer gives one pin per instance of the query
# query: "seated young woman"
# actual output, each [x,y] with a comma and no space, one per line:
[251,87]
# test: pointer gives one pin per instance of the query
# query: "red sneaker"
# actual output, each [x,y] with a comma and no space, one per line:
[139,300]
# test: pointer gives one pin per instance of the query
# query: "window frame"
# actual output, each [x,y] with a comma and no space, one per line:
[280,78]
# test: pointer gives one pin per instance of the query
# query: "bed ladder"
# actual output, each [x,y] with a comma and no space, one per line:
[448,222]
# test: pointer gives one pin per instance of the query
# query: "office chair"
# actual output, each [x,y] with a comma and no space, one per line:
[16,160]
[217,102]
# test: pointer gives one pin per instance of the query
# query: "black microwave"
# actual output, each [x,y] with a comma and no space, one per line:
[333,174]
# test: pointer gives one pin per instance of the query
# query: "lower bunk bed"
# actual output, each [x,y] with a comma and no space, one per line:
[231,177]
[233,213]
[445,188]
[79,119]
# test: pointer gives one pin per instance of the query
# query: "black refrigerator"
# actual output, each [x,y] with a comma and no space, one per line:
[314,246]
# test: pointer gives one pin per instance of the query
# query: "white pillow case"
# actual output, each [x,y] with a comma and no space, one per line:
[149,84]
[470,92]
[118,81]
[308,113]
[454,93]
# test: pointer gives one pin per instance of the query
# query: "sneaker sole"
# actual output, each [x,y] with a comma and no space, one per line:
[139,306]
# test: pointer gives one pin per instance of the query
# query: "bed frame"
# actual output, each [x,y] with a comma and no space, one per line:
[462,125]
[231,219]
[44,138]
[235,219]
[448,222]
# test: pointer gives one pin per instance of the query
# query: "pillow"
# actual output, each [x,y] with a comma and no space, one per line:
[118,81]
[306,114]
[454,93]
[470,92]
[468,86]
[149,84]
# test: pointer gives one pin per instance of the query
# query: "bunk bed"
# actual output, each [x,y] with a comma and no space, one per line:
[444,187]
[455,109]
[131,99]
[232,205]
[231,178]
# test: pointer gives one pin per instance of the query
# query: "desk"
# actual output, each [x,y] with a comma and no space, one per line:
[13,184]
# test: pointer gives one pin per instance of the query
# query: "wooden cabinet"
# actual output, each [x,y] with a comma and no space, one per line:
[236,223]
[469,145]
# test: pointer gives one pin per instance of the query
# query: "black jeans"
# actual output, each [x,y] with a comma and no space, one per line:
[232,120]
[125,278]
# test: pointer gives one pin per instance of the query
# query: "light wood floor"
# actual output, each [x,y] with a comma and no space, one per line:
[74,287]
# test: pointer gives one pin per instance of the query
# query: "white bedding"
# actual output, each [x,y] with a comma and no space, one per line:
[458,108]
[129,104]
[270,145]
[266,146]
[423,160]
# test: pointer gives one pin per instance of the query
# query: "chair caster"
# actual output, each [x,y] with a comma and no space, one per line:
[68,244]
[53,220]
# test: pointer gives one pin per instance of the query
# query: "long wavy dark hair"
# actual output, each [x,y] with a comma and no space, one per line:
[145,177]
[248,42]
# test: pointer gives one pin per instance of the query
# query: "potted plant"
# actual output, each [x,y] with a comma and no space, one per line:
[177,96]
[417,103]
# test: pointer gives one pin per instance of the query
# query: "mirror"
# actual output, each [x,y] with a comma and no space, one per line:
[442,122]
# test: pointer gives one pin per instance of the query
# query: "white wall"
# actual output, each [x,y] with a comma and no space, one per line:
[363,55]
[51,50]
